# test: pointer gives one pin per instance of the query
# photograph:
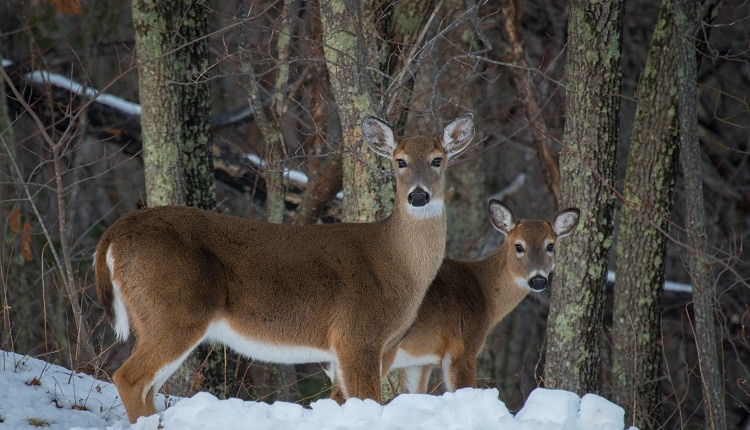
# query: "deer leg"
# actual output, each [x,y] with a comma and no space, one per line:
[460,372]
[134,380]
[150,398]
[359,373]
[337,393]
[146,370]
[387,360]
[424,378]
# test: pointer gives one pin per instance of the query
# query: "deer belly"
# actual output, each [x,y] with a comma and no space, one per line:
[221,331]
[404,359]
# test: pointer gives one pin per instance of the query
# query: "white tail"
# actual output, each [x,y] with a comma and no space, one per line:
[338,293]
[468,298]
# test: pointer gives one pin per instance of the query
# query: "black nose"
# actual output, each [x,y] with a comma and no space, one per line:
[538,283]
[418,197]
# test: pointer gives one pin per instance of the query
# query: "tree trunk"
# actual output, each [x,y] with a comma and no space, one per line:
[704,292]
[644,223]
[173,59]
[268,121]
[322,189]
[350,45]
[587,168]
[194,139]
[324,178]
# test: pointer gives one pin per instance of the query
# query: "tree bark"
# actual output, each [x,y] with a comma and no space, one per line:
[687,21]
[172,52]
[194,139]
[173,60]
[644,223]
[350,45]
[321,190]
[324,178]
[268,121]
[587,168]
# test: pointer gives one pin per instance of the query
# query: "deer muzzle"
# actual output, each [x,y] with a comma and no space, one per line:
[538,283]
[418,197]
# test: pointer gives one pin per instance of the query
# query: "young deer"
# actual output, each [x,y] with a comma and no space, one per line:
[468,298]
[339,293]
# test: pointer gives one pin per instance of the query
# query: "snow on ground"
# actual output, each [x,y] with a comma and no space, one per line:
[37,395]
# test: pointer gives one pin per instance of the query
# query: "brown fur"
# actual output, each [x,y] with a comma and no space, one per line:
[468,298]
[346,290]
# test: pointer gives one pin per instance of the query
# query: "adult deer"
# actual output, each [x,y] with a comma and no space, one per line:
[339,293]
[468,298]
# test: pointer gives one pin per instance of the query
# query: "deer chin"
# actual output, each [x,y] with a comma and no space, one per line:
[433,209]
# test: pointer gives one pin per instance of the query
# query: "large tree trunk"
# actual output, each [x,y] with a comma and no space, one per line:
[268,121]
[173,59]
[172,53]
[687,19]
[325,178]
[644,223]
[587,167]
[350,45]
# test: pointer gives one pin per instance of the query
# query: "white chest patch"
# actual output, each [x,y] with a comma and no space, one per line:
[221,331]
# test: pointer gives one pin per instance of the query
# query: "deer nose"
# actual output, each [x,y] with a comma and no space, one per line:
[418,197]
[538,283]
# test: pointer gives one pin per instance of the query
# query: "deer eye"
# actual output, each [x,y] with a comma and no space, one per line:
[551,247]
[519,248]
[437,162]
[401,163]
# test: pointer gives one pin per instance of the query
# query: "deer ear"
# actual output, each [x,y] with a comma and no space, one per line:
[378,136]
[458,134]
[566,221]
[501,217]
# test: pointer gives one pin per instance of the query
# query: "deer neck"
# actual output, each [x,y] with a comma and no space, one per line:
[502,290]
[418,242]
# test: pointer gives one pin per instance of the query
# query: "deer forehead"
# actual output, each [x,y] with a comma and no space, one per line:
[419,147]
[533,234]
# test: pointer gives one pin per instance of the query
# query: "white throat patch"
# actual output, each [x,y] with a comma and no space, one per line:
[433,209]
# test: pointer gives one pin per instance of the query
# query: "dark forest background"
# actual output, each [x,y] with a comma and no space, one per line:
[468,63]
